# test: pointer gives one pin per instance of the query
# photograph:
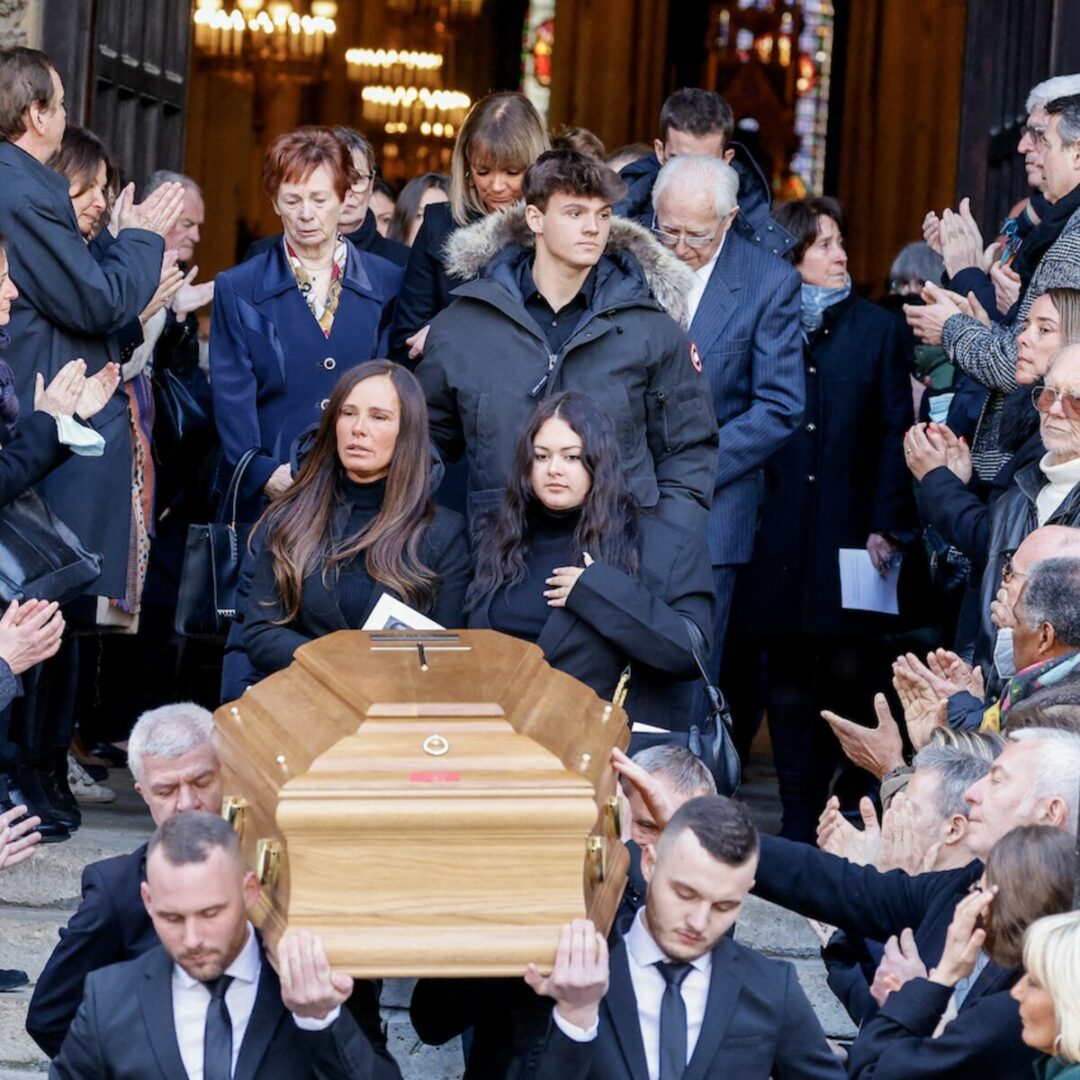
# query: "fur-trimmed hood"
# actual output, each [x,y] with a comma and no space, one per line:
[472,248]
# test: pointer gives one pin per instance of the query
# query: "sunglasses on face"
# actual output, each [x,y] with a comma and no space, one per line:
[1045,396]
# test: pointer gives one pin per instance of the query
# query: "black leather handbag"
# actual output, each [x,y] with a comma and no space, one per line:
[206,603]
[40,557]
[177,413]
[710,741]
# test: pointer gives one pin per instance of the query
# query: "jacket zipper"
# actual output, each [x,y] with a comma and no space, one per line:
[661,400]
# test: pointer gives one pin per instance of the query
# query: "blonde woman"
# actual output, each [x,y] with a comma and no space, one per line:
[1049,995]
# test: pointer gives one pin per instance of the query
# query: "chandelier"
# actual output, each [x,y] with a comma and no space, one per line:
[438,9]
[393,66]
[400,109]
[273,33]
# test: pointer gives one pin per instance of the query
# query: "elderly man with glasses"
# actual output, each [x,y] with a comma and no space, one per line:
[744,326]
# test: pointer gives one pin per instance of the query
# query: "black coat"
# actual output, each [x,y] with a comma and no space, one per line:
[487,363]
[838,479]
[427,285]
[982,1042]
[612,620]
[270,646]
[33,452]
[73,304]
[110,925]
[758,1024]
[366,238]
[124,1030]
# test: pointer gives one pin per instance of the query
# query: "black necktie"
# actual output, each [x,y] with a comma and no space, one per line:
[672,1021]
[217,1039]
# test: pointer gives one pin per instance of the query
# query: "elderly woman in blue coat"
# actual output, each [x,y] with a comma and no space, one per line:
[288,322]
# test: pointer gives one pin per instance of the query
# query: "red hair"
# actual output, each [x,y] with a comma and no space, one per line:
[294,156]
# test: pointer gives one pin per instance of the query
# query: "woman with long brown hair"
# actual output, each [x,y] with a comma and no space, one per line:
[357,522]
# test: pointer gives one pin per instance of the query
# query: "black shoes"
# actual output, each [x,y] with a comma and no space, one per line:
[26,788]
[10,979]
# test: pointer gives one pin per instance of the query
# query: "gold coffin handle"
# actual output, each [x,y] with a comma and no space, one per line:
[613,813]
[233,808]
[594,859]
[267,861]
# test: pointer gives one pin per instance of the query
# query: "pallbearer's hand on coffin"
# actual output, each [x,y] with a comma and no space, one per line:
[309,988]
[579,979]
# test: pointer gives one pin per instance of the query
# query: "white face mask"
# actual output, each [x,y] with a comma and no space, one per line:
[1003,653]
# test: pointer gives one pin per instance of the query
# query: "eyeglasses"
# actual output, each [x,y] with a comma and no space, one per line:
[1045,396]
[1033,131]
[362,182]
[670,239]
[1008,573]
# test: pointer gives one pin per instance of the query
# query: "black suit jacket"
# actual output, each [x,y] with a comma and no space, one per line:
[125,1030]
[758,1024]
[109,926]
[612,619]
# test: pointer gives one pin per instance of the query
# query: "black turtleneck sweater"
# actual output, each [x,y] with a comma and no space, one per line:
[522,610]
[354,586]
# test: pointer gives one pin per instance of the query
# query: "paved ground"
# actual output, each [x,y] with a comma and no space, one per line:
[37,898]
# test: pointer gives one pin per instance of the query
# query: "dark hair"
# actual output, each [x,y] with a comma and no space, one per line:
[800,218]
[697,112]
[353,140]
[1068,108]
[582,140]
[608,527]
[192,837]
[299,523]
[1052,595]
[722,826]
[294,156]
[380,186]
[407,205]
[25,80]
[569,173]
[1033,867]
[79,155]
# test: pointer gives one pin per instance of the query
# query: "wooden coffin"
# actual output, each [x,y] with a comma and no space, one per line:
[430,804]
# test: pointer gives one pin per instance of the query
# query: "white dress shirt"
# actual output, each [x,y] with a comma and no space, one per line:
[701,279]
[642,954]
[191,999]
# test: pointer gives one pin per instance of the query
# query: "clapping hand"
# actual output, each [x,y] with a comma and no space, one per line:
[904,845]
[924,708]
[877,750]
[17,841]
[931,231]
[97,390]
[158,212]
[61,396]
[948,666]
[309,988]
[579,978]
[837,836]
[1006,283]
[29,633]
[900,963]
[928,319]
[172,277]
[965,938]
[562,581]
[190,297]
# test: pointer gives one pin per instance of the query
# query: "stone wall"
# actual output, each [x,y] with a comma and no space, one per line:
[19,23]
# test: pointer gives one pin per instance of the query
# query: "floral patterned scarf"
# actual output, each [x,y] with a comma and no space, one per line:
[324,315]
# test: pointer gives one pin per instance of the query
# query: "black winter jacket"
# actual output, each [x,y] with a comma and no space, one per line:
[487,363]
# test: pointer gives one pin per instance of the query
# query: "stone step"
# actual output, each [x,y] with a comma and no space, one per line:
[28,936]
[17,1049]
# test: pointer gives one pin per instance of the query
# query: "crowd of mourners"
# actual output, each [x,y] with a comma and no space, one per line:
[625,408]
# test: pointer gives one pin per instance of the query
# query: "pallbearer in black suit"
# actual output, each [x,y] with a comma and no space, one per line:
[680,1000]
[208,1005]
[569,560]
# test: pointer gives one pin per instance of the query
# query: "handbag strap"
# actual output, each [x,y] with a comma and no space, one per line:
[232,492]
[717,702]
